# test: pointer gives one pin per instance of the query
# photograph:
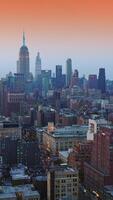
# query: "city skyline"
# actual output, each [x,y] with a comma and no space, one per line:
[80,30]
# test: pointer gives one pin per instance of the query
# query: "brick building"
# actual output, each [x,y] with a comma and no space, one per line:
[99,172]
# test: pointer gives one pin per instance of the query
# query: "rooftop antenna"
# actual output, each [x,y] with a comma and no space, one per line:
[23,39]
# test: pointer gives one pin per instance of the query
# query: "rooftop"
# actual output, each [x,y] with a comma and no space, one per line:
[64,153]
[10,192]
[41,178]
[109,189]
[7,192]
[18,173]
[27,190]
[70,131]
[65,168]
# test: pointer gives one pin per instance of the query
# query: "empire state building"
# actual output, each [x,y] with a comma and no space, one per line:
[23,63]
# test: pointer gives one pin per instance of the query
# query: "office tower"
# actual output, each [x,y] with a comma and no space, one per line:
[37,66]
[58,76]
[102,80]
[23,63]
[62,183]
[68,71]
[92,81]
[74,78]
[46,81]
[58,71]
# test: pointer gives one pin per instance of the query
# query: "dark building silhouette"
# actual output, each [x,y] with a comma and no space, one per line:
[45,115]
[58,76]
[92,81]
[28,153]
[68,71]
[40,183]
[75,78]
[14,151]
[46,81]
[102,80]
[8,150]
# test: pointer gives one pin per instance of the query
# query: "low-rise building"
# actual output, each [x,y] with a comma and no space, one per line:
[26,192]
[21,192]
[19,176]
[62,139]
[7,193]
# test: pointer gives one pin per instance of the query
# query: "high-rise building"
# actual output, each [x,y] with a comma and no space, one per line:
[62,183]
[99,172]
[23,63]
[74,78]
[37,66]
[68,71]
[58,71]
[59,79]
[102,80]
[92,81]
[46,81]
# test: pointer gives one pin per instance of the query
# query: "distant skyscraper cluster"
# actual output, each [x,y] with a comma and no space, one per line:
[45,81]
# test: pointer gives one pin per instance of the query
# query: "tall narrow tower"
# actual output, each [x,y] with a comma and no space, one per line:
[102,80]
[68,71]
[24,59]
[37,66]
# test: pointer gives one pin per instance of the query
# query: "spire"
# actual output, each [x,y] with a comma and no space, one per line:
[23,39]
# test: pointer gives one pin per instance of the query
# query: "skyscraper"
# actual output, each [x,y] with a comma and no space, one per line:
[92,81]
[102,80]
[58,76]
[37,66]
[68,71]
[58,71]
[74,78]
[23,65]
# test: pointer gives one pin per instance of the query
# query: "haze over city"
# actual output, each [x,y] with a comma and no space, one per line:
[80,29]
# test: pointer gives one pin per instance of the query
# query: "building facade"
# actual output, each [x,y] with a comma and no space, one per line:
[62,184]
[99,172]
[62,139]
[24,66]
[68,71]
